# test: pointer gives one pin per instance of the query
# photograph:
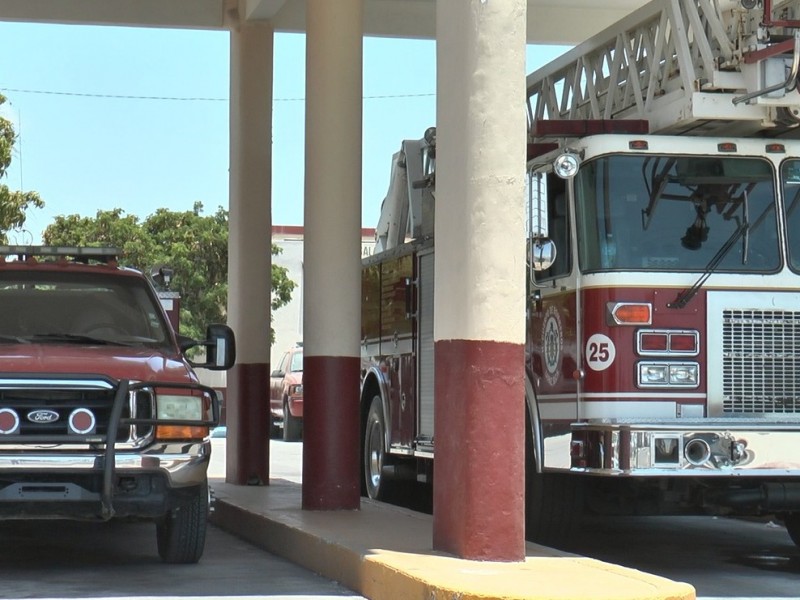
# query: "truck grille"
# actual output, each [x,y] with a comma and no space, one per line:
[57,401]
[761,361]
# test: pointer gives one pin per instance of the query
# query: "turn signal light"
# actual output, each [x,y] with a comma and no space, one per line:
[630,313]
[181,432]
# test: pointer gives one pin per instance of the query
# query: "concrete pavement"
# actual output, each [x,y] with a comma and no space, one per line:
[385,552]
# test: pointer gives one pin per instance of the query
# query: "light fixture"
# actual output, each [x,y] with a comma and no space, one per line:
[566,165]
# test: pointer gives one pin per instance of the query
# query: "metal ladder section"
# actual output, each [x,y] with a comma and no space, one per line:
[709,67]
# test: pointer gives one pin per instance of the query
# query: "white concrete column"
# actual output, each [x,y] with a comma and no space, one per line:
[332,253]
[249,252]
[479,329]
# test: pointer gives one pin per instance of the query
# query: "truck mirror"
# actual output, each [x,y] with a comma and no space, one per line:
[220,346]
[543,254]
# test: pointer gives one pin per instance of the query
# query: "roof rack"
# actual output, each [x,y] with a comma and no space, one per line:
[78,254]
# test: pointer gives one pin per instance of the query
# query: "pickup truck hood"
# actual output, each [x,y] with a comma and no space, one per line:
[119,362]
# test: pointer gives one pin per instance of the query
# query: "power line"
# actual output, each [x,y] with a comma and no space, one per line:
[186,98]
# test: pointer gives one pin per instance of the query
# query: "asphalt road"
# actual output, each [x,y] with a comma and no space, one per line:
[65,559]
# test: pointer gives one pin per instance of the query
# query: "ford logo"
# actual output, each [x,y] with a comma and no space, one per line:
[43,415]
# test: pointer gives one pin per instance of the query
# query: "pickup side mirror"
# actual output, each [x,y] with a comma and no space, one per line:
[277,373]
[220,346]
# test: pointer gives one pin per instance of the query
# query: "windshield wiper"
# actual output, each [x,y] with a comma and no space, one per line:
[13,339]
[73,338]
[686,295]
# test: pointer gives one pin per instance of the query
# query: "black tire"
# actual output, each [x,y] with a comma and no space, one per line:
[373,455]
[181,534]
[792,522]
[292,426]
[553,504]
[274,428]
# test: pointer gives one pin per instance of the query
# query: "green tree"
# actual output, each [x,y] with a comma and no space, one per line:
[13,204]
[193,245]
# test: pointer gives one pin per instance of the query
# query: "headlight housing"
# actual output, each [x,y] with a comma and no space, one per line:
[183,408]
[668,374]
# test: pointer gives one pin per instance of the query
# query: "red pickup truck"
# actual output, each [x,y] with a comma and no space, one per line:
[101,413]
[286,396]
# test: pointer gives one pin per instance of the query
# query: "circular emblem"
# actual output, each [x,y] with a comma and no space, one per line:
[552,343]
[600,352]
[9,421]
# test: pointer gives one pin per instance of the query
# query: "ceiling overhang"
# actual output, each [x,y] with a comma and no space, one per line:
[549,21]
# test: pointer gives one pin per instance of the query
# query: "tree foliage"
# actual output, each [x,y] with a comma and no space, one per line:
[195,246]
[13,204]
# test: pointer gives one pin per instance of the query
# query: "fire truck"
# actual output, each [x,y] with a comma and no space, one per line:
[663,297]
[101,413]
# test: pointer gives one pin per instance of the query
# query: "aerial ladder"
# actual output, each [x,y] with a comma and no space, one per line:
[699,67]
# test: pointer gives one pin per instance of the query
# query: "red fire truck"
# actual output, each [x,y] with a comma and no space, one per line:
[663,314]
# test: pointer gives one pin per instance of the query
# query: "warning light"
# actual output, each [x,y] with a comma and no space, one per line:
[630,313]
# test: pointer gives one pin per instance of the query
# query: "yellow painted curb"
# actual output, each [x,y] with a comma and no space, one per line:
[388,575]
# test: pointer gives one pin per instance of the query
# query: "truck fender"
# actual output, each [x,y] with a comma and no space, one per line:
[535,423]
[375,382]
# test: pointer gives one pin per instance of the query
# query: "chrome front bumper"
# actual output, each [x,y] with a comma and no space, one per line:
[182,464]
[718,447]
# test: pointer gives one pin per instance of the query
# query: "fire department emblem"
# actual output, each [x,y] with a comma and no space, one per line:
[552,343]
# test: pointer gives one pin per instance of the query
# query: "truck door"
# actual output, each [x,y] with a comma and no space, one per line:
[553,324]
[424,345]
[397,347]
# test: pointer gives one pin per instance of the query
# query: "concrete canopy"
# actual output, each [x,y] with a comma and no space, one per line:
[549,21]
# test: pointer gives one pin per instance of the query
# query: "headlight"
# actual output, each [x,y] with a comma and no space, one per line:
[650,374]
[296,390]
[668,374]
[181,408]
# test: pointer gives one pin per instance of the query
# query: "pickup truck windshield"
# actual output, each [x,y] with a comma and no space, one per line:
[49,307]
[673,213]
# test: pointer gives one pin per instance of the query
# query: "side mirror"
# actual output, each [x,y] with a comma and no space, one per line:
[277,373]
[220,346]
[543,254]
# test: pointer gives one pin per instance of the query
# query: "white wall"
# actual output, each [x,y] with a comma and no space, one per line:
[288,320]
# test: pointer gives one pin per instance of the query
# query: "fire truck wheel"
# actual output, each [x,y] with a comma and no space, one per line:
[792,522]
[181,535]
[553,503]
[292,426]
[374,436]
[553,508]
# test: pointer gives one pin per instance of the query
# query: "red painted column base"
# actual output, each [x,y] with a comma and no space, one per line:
[247,420]
[479,471]
[331,439]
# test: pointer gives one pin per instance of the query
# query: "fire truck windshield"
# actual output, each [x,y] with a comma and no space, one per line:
[790,177]
[673,213]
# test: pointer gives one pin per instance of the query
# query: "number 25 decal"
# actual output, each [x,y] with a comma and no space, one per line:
[600,352]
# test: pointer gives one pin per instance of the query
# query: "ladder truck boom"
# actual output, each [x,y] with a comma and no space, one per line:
[700,67]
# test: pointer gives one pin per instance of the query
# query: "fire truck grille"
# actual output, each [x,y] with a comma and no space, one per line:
[57,404]
[761,361]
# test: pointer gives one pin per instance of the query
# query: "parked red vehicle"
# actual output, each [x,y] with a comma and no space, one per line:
[286,396]
[101,413]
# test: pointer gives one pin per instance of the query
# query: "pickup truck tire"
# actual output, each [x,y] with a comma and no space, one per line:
[181,534]
[274,428]
[292,426]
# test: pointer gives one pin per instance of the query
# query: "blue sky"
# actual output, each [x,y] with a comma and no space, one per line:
[112,117]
